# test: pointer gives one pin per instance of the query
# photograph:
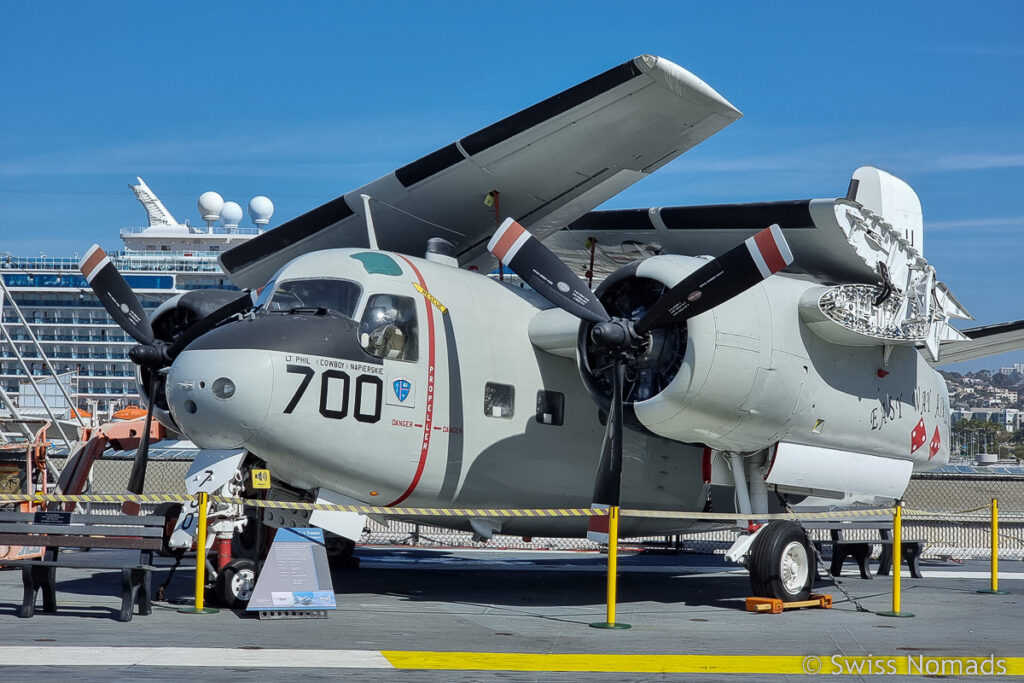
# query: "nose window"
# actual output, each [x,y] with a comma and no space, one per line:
[340,296]
[389,329]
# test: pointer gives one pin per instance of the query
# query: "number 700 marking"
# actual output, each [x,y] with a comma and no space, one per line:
[325,384]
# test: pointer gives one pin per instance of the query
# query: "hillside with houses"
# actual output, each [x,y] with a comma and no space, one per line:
[987,412]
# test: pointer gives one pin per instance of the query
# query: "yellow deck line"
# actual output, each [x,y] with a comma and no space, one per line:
[901,664]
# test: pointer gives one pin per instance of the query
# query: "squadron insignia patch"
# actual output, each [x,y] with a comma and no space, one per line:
[402,393]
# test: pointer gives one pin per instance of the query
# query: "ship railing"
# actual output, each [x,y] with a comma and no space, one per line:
[118,339]
[195,231]
[10,319]
[188,261]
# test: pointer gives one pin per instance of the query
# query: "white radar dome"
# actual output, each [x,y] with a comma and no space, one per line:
[230,215]
[210,206]
[261,209]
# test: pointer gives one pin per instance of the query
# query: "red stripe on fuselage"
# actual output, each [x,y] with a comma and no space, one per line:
[765,242]
[429,418]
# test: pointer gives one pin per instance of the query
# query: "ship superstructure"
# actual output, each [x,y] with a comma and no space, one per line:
[84,345]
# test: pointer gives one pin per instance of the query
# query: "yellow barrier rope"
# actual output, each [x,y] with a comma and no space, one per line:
[443,512]
[879,514]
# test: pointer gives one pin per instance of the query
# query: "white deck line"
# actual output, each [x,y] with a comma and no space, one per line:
[219,657]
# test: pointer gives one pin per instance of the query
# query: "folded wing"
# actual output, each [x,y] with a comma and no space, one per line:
[984,341]
[550,164]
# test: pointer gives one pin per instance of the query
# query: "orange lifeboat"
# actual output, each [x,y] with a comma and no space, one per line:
[78,412]
[130,413]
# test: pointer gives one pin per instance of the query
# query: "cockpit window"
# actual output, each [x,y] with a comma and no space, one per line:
[339,296]
[389,329]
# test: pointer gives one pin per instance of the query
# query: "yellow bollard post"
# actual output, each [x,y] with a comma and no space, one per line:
[199,608]
[897,563]
[613,568]
[994,562]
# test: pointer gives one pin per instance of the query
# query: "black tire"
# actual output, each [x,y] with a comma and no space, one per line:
[340,552]
[781,563]
[235,583]
[170,512]
[251,540]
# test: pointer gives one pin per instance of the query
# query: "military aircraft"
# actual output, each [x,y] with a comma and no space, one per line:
[775,353]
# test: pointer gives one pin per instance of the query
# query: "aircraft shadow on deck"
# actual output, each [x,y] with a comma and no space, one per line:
[570,581]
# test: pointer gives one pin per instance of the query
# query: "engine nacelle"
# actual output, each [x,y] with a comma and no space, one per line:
[749,373]
[170,319]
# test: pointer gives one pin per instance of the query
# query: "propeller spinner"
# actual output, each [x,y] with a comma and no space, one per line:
[624,338]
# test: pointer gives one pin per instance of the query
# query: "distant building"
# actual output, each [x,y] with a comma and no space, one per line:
[1016,367]
[1010,419]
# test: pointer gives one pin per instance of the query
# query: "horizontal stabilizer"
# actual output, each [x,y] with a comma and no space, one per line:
[984,341]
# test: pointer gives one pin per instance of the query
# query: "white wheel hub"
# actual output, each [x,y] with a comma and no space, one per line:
[242,584]
[795,567]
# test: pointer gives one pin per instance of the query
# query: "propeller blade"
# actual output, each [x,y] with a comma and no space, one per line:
[115,295]
[203,325]
[137,478]
[720,279]
[609,471]
[546,273]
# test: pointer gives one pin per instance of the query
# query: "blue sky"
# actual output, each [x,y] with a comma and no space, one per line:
[304,101]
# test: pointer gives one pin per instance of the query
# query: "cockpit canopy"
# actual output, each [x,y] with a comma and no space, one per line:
[339,296]
[388,326]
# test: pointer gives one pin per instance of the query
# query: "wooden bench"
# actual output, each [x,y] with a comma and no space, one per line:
[56,530]
[860,550]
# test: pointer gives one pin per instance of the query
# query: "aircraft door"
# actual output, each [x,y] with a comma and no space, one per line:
[394,328]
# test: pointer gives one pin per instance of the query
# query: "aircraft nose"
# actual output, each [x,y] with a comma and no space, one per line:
[220,397]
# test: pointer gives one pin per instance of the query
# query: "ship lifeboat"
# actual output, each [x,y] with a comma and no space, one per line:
[130,413]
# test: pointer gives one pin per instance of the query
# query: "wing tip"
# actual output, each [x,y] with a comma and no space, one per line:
[679,80]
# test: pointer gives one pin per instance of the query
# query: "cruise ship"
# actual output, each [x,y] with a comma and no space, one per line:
[55,315]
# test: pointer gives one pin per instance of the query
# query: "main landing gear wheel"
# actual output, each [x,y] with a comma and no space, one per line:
[340,552]
[235,583]
[780,563]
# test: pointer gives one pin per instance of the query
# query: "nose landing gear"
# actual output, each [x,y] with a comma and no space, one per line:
[235,582]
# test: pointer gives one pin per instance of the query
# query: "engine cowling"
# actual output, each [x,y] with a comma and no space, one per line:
[750,373]
[169,320]
[628,294]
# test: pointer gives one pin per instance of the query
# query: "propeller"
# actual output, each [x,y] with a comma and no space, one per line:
[137,477]
[116,295]
[714,283]
[154,354]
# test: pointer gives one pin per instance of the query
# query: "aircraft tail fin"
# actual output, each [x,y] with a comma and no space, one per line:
[984,341]
[892,199]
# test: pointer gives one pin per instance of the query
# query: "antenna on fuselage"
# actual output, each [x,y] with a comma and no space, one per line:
[370,232]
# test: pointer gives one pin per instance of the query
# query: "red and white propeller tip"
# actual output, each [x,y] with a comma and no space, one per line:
[769,250]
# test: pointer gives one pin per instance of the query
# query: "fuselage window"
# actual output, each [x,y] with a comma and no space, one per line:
[389,329]
[339,296]
[499,400]
[550,407]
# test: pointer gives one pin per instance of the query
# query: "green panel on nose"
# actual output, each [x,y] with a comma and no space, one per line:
[377,263]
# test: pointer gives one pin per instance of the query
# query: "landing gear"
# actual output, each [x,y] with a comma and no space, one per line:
[235,583]
[170,512]
[780,563]
[340,552]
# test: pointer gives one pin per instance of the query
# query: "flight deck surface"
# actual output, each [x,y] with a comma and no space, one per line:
[530,610]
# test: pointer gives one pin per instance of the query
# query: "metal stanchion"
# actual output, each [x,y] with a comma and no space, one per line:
[200,562]
[994,564]
[613,567]
[897,563]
